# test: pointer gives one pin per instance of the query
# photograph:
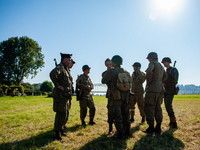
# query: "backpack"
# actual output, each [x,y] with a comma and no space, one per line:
[123,81]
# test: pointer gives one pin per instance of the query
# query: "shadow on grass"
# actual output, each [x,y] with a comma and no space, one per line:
[36,142]
[104,143]
[164,141]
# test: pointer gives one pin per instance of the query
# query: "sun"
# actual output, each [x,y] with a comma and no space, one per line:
[167,5]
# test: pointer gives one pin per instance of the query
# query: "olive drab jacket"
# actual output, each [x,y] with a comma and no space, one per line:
[171,81]
[60,76]
[110,78]
[155,76]
[108,90]
[83,82]
[137,81]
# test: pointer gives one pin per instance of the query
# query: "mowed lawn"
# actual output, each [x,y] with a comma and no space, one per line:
[27,123]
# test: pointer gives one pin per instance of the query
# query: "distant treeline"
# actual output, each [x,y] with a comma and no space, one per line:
[189,89]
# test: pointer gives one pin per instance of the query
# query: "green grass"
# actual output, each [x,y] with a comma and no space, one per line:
[27,123]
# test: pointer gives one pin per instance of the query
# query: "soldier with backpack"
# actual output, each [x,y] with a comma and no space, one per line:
[170,90]
[119,83]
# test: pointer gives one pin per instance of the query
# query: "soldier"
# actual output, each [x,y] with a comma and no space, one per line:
[71,63]
[61,93]
[155,75]
[119,100]
[138,77]
[84,83]
[108,64]
[170,90]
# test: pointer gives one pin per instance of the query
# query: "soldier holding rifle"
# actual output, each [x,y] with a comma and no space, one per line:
[61,93]
[170,90]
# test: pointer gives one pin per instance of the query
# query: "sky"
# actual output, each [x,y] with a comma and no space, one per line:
[94,30]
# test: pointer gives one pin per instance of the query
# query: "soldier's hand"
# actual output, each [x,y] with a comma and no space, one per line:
[89,88]
[61,87]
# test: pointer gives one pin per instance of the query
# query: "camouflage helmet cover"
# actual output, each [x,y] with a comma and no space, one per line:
[152,55]
[117,59]
[166,59]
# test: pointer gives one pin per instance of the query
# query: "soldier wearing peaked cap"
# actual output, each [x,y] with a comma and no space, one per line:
[85,84]
[170,90]
[138,78]
[61,93]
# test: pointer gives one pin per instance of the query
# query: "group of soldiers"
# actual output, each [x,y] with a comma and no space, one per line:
[123,92]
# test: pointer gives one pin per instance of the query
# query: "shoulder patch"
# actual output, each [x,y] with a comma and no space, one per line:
[57,66]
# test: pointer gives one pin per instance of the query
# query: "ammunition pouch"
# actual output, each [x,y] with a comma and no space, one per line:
[116,95]
[78,94]
[176,90]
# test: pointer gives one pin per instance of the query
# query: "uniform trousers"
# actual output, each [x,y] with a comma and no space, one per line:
[139,99]
[152,107]
[84,103]
[168,99]
[119,111]
[60,107]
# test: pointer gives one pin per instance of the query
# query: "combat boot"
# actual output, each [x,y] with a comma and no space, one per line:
[170,123]
[143,120]
[110,129]
[158,129]
[91,122]
[127,131]
[174,124]
[83,123]
[149,130]
[132,119]
[63,133]
[119,136]
[58,135]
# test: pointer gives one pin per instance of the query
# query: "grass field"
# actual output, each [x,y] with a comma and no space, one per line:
[27,123]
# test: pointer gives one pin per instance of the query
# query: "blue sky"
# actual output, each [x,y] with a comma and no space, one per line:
[93,30]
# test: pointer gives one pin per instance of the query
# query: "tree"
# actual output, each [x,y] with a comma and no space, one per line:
[19,58]
[46,86]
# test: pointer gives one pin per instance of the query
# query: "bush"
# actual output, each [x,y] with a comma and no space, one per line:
[50,94]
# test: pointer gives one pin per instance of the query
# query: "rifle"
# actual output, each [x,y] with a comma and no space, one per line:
[174,63]
[78,92]
[55,62]
[177,88]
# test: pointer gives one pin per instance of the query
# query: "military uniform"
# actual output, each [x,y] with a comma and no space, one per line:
[83,82]
[118,109]
[110,117]
[69,103]
[170,88]
[155,75]
[138,90]
[61,77]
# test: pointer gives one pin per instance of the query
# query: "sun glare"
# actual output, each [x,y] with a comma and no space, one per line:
[167,5]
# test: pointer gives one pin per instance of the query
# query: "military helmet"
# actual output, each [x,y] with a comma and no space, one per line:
[152,55]
[85,67]
[117,59]
[167,59]
[137,64]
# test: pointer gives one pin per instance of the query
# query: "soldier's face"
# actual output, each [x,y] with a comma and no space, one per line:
[108,65]
[150,59]
[87,71]
[66,61]
[166,64]
[70,64]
